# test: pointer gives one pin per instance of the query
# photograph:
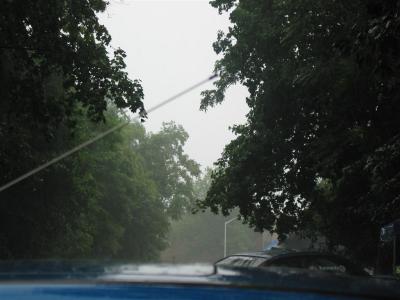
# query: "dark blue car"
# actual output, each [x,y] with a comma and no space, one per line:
[83,280]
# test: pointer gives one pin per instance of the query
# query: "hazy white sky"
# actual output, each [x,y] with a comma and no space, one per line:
[169,47]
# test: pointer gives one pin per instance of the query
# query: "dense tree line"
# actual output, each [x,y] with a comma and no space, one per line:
[53,57]
[320,151]
[61,84]
[104,201]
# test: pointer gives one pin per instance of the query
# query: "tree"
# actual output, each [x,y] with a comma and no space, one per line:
[102,202]
[172,169]
[319,152]
[54,59]
[61,84]
[97,203]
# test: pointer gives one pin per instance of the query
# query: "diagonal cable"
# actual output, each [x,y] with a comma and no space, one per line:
[100,136]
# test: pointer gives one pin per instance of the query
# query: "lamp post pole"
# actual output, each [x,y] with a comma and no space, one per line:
[226,223]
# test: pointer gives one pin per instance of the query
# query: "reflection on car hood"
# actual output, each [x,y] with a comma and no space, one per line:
[283,279]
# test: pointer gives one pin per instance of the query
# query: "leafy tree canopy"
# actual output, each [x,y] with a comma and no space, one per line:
[59,80]
[56,51]
[53,59]
[171,168]
[102,202]
[320,150]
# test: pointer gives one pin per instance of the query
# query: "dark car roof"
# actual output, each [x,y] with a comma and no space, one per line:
[270,253]
[283,252]
[276,254]
[278,279]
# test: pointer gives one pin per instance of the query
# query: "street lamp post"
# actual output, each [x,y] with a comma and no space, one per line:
[226,223]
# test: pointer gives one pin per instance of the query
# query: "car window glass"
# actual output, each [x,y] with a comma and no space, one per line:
[232,261]
[227,261]
[238,261]
[242,261]
[257,261]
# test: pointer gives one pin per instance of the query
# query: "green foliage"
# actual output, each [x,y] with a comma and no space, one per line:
[102,202]
[55,54]
[319,152]
[59,80]
[54,58]
[172,169]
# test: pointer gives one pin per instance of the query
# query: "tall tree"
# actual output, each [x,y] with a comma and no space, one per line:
[171,168]
[102,202]
[54,56]
[60,85]
[320,150]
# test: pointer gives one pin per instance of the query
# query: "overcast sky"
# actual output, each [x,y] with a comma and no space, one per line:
[169,48]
